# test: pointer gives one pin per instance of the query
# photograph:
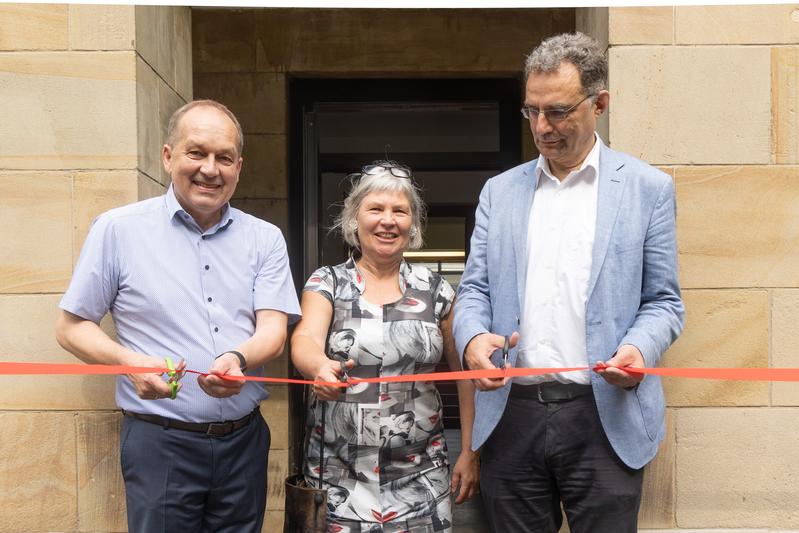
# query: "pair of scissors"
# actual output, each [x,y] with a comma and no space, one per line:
[174,377]
[505,349]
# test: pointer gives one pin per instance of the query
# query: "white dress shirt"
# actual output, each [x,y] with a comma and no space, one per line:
[560,240]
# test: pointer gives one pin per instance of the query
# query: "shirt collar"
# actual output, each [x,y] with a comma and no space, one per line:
[174,208]
[591,161]
[360,284]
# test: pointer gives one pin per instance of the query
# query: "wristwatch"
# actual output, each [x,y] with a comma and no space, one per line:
[242,360]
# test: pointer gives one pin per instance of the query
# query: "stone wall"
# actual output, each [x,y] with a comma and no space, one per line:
[710,95]
[85,89]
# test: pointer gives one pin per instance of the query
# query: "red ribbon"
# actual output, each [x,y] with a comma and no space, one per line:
[738,374]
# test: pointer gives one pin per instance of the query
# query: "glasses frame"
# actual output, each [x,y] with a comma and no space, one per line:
[530,113]
[398,170]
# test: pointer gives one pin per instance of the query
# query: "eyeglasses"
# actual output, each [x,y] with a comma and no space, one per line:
[552,115]
[397,169]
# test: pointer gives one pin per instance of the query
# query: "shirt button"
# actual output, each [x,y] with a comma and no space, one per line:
[209,298]
[207,267]
[216,330]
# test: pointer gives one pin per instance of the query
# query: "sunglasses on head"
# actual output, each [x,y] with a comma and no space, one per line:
[398,170]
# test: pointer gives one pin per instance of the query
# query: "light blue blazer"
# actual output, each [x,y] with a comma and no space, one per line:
[633,291]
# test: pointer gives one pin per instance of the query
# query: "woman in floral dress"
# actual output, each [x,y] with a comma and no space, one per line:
[385,458]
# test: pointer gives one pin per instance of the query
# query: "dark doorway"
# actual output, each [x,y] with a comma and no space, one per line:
[453,133]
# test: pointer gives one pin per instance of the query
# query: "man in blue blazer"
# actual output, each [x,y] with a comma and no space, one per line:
[573,260]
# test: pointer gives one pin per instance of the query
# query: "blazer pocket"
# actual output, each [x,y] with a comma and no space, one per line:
[650,401]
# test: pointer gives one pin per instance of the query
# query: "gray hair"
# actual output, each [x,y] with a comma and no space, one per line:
[385,181]
[174,121]
[578,49]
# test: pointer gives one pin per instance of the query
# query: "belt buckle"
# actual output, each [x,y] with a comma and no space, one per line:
[538,389]
[223,429]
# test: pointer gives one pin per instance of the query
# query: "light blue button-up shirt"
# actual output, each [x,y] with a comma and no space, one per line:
[174,290]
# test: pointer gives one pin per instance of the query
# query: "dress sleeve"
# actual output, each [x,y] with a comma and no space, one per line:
[321,281]
[443,298]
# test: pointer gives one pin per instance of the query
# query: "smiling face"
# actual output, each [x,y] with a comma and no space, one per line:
[384,223]
[204,163]
[565,144]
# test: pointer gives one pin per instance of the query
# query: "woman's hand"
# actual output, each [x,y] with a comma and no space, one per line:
[466,476]
[330,371]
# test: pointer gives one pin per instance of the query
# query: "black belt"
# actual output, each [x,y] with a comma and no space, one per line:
[213,429]
[551,391]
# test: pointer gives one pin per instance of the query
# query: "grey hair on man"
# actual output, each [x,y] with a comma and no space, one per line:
[173,130]
[384,181]
[578,49]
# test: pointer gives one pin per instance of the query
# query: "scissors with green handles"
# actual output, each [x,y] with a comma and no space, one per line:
[174,377]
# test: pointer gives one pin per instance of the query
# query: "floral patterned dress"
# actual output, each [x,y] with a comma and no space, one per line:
[385,459]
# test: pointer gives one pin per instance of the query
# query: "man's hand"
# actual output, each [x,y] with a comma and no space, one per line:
[330,371]
[225,365]
[626,356]
[153,386]
[478,357]
[465,481]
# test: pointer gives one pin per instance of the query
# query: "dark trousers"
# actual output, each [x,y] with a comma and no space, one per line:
[178,480]
[542,454]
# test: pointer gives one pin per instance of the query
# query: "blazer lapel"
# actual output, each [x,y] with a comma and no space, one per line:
[522,202]
[611,188]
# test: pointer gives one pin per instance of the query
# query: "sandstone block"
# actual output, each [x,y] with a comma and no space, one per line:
[148,119]
[277,368]
[275,411]
[147,37]
[149,188]
[436,41]
[593,21]
[96,193]
[70,110]
[737,468]
[258,100]
[784,342]
[641,25]
[723,328]
[29,329]
[224,40]
[273,521]
[265,171]
[165,21]
[737,24]
[660,110]
[785,104]
[273,211]
[736,226]
[101,27]
[34,27]
[277,473]
[37,253]
[657,500]
[101,491]
[182,51]
[30,323]
[37,473]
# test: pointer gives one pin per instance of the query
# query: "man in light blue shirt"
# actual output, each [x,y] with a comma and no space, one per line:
[189,277]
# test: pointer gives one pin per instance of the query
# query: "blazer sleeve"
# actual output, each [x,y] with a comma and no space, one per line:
[473,314]
[660,317]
